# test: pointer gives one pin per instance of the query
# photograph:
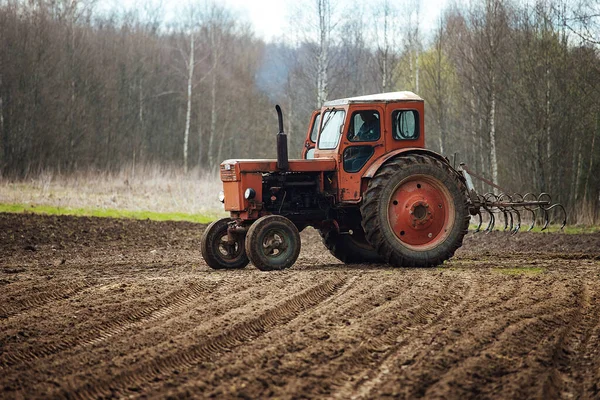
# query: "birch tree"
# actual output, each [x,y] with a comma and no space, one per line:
[325,27]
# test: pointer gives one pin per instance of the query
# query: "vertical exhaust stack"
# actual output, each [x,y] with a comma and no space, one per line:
[282,149]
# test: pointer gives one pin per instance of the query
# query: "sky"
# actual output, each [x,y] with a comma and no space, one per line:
[270,18]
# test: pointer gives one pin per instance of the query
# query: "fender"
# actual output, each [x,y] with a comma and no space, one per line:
[410,150]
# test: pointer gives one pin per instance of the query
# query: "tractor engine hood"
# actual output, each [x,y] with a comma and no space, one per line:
[231,170]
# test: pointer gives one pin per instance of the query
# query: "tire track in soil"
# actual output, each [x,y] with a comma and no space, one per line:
[372,354]
[335,366]
[157,369]
[525,341]
[554,380]
[341,301]
[588,372]
[396,338]
[170,303]
[61,291]
[498,359]
[374,376]
[574,357]
[480,354]
[230,294]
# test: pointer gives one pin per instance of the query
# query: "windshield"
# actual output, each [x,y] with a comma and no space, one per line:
[331,129]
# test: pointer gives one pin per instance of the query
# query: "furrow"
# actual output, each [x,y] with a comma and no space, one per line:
[424,357]
[59,292]
[373,355]
[575,356]
[166,306]
[488,346]
[553,383]
[205,350]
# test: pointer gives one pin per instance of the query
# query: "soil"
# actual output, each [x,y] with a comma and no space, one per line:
[96,308]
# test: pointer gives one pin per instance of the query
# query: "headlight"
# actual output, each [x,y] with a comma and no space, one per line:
[249,194]
[222,196]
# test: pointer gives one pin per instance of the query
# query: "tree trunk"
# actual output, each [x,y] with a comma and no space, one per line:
[200,155]
[2,135]
[213,99]
[188,115]
[590,168]
[493,157]
[323,55]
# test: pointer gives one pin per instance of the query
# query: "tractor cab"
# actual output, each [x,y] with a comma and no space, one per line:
[358,131]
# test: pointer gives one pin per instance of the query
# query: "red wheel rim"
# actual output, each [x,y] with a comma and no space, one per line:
[421,212]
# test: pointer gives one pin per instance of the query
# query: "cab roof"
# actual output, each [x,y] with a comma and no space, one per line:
[390,97]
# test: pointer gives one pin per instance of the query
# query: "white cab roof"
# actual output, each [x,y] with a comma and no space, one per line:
[375,98]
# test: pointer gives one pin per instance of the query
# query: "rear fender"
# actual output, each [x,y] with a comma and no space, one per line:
[370,173]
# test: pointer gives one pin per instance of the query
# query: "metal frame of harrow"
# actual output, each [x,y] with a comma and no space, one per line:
[510,206]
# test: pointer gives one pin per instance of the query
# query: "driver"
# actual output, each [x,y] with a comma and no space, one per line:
[369,130]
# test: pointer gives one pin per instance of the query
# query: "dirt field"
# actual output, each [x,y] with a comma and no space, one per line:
[116,308]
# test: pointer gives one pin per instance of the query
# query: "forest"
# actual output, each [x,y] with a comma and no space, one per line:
[512,88]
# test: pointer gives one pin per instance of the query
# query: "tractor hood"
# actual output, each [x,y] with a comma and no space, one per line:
[232,169]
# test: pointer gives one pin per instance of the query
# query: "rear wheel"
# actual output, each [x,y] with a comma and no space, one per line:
[350,249]
[218,251]
[415,212]
[273,243]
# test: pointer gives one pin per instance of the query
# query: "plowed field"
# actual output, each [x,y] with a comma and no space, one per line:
[95,308]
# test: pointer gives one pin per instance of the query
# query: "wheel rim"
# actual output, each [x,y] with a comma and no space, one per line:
[276,245]
[226,250]
[421,212]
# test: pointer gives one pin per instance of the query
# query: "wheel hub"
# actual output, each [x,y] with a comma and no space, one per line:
[274,244]
[422,217]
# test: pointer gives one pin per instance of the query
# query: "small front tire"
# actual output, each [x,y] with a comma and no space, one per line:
[218,252]
[273,243]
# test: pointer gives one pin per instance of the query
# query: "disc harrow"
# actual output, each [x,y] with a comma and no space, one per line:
[511,209]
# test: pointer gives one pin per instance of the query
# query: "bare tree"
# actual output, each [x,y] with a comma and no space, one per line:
[386,32]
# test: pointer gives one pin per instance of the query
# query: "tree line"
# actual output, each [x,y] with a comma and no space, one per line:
[511,88]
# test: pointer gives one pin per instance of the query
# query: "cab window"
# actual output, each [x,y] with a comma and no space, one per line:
[405,124]
[333,121]
[315,128]
[365,126]
[355,157]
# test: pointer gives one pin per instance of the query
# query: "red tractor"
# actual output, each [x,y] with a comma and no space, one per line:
[366,182]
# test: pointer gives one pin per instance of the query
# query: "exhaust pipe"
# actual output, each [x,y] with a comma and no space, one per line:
[282,149]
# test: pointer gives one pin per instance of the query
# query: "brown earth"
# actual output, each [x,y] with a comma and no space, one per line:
[95,308]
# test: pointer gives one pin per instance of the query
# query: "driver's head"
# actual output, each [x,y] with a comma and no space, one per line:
[367,116]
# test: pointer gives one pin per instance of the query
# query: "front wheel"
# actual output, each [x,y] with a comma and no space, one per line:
[273,243]
[415,211]
[218,251]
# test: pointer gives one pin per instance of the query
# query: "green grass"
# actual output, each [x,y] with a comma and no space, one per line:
[520,271]
[109,213]
[569,229]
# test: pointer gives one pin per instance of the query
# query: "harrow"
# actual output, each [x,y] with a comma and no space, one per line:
[510,206]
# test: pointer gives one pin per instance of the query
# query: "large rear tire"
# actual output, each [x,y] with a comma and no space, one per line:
[415,211]
[273,243]
[350,249]
[218,252]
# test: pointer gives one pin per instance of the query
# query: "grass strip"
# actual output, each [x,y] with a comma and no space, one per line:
[109,213]
[569,229]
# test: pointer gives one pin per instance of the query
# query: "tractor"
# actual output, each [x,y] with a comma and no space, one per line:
[365,182]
